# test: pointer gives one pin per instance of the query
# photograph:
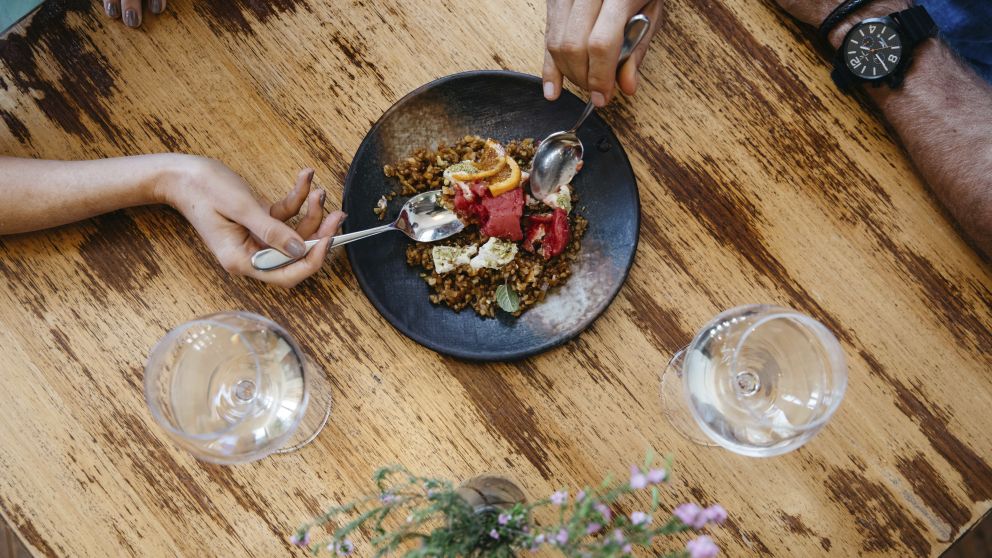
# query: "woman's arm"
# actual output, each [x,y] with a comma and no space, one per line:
[218,203]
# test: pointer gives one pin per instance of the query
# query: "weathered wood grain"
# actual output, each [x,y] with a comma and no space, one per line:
[759,182]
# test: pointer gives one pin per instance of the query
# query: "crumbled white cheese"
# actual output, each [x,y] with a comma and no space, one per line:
[447,258]
[494,254]
[382,203]
[466,167]
[466,189]
[562,199]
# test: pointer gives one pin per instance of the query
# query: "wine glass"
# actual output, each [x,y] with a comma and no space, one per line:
[759,380]
[234,387]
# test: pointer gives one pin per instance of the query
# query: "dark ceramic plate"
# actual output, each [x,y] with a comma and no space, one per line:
[504,106]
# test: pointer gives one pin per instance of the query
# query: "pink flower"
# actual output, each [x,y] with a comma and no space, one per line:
[637,478]
[593,528]
[562,537]
[691,515]
[580,496]
[494,534]
[503,518]
[715,514]
[604,511]
[657,476]
[300,538]
[640,518]
[343,548]
[387,498]
[618,536]
[702,547]
[627,548]
[559,498]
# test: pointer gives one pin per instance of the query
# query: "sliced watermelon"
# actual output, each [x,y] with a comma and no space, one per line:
[550,231]
[503,215]
[470,211]
[558,236]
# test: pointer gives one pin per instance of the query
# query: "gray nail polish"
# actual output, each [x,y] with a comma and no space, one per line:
[131,18]
[296,248]
[323,196]
[156,6]
[113,10]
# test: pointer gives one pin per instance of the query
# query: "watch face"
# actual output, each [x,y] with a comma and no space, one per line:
[872,49]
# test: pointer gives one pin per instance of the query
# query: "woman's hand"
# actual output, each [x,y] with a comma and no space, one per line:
[234,225]
[583,40]
[130,10]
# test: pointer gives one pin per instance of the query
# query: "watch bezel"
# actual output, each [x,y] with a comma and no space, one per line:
[887,20]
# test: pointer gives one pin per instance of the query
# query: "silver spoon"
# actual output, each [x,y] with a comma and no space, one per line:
[422,218]
[557,157]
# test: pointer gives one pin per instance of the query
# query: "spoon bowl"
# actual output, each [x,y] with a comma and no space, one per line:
[557,158]
[422,218]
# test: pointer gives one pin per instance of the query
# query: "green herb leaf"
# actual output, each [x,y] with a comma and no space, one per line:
[507,299]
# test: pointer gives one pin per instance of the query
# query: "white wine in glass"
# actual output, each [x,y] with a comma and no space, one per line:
[758,380]
[234,387]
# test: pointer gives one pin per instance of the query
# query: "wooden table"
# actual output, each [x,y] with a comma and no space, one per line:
[759,182]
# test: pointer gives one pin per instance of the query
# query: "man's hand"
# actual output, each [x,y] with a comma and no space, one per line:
[234,225]
[130,10]
[583,40]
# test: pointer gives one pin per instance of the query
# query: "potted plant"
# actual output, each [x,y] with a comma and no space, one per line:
[416,516]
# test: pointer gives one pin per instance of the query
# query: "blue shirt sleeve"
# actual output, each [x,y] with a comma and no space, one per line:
[966,25]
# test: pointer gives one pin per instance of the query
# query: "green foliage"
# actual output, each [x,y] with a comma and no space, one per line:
[420,517]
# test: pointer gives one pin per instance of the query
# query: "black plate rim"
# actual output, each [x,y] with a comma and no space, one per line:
[487,356]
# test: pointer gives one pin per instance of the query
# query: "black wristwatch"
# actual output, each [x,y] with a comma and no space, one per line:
[879,50]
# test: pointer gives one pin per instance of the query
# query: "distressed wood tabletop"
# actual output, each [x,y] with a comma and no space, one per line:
[759,183]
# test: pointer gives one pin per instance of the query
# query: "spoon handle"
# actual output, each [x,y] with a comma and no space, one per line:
[633,32]
[270,258]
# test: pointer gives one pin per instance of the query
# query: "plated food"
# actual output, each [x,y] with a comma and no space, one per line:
[514,249]
[502,105]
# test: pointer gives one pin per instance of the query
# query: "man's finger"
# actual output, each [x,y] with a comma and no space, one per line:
[605,41]
[627,79]
[552,78]
[573,60]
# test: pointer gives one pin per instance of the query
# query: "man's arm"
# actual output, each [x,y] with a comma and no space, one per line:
[943,114]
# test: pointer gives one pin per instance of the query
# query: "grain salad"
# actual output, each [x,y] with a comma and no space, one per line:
[514,249]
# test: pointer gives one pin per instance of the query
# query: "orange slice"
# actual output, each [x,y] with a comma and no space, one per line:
[492,161]
[506,179]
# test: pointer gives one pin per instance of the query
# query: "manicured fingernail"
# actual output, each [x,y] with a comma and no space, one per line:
[156,6]
[310,174]
[598,99]
[323,196]
[549,90]
[131,18]
[296,248]
[344,215]
[113,10]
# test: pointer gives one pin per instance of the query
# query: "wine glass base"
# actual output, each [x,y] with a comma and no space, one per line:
[676,407]
[318,410]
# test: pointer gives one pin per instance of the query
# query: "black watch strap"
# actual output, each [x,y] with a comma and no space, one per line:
[846,8]
[915,24]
